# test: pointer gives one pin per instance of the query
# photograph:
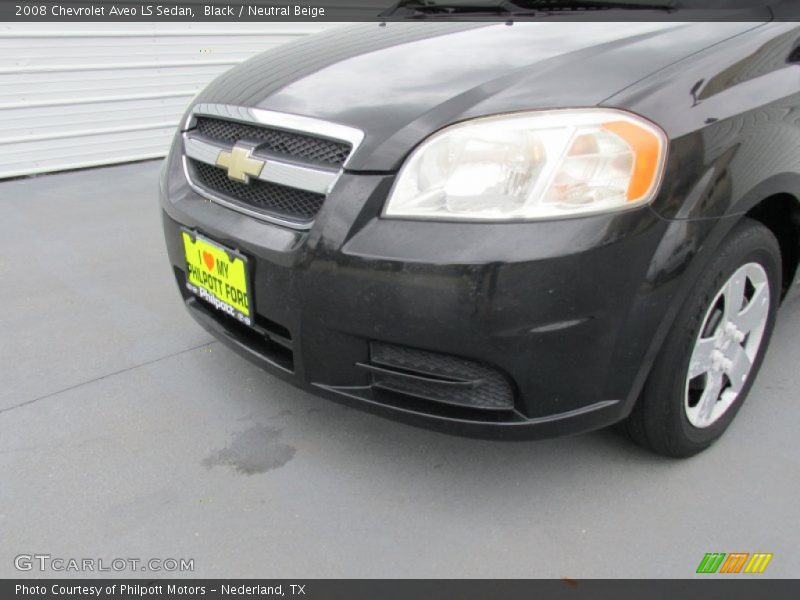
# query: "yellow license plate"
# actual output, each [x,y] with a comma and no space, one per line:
[218,276]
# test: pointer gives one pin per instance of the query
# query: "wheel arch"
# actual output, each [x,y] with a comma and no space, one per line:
[780,213]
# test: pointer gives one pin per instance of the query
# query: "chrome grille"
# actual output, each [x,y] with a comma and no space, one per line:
[273,166]
[280,200]
[286,143]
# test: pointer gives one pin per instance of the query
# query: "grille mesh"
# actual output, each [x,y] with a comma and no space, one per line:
[278,200]
[289,144]
[492,391]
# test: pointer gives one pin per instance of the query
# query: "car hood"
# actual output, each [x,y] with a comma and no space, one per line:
[399,82]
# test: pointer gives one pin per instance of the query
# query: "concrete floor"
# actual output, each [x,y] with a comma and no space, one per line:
[125,431]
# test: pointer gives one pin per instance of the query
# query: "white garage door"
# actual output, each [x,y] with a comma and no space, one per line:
[79,95]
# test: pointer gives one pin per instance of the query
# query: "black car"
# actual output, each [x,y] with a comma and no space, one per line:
[511,229]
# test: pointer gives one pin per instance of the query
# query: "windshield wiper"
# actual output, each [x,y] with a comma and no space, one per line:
[446,8]
[421,8]
[568,5]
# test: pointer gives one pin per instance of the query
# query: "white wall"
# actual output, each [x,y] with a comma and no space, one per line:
[79,95]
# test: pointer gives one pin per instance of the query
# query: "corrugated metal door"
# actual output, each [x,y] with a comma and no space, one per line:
[80,95]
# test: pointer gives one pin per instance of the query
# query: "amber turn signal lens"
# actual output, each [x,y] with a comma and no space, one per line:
[647,149]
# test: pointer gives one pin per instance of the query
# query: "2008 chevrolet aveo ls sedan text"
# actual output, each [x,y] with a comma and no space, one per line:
[515,229]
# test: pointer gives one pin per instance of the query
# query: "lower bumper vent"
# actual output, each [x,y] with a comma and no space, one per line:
[438,377]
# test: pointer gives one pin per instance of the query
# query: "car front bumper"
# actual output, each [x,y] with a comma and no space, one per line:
[564,311]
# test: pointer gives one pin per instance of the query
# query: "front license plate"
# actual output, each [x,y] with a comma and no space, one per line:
[218,276]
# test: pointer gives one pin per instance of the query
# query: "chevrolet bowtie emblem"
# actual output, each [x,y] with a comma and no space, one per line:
[240,164]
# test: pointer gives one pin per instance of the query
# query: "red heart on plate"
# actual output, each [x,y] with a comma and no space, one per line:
[208,258]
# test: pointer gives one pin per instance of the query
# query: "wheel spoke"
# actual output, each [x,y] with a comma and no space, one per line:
[701,357]
[755,313]
[710,396]
[739,367]
[734,295]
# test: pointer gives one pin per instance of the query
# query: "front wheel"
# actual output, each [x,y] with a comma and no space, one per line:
[715,349]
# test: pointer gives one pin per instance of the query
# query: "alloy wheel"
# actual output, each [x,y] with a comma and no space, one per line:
[726,347]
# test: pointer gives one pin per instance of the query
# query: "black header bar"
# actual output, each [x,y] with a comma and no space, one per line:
[392,10]
[712,588]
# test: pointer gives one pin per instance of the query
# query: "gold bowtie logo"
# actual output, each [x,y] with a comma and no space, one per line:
[240,164]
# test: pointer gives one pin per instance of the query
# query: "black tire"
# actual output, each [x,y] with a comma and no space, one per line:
[659,421]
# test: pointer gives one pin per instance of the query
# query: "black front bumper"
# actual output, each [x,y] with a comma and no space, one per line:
[564,312]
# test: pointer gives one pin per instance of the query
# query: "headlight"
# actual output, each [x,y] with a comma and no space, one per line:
[532,165]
